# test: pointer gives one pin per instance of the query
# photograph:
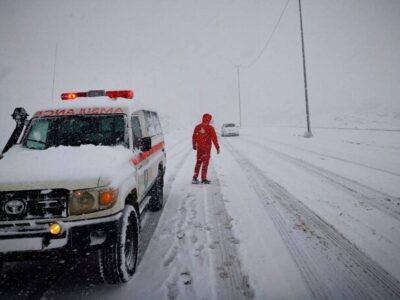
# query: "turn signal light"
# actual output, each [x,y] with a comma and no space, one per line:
[107,198]
[55,228]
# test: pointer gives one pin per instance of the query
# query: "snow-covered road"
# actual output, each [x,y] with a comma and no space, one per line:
[284,218]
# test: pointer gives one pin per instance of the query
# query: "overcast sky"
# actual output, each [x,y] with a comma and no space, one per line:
[181,56]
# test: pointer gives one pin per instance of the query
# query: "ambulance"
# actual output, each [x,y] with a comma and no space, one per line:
[77,178]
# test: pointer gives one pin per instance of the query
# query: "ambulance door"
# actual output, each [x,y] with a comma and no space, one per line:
[157,143]
[141,173]
[151,129]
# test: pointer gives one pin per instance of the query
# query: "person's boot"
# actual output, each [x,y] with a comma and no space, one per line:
[195,180]
[205,181]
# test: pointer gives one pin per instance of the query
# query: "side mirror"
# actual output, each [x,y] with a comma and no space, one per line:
[19,115]
[145,144]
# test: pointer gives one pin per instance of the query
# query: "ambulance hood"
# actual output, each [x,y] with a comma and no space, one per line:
[87,166]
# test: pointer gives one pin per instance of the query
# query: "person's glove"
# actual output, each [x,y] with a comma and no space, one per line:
[194,147]
[217,151]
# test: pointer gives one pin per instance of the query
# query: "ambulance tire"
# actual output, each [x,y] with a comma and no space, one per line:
[118,262]
[157,194]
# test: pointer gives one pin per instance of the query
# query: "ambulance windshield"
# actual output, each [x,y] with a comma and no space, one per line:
[104,130]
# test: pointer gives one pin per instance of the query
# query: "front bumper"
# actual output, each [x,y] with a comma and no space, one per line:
[32,239]
[230,133]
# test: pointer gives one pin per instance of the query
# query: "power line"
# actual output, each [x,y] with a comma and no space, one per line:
[269,39]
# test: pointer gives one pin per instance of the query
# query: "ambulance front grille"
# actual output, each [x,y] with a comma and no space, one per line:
[33,204]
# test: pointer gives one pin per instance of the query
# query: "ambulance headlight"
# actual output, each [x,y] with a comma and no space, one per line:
[91,200]
[83,202]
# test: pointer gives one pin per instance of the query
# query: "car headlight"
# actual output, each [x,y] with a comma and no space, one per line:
[87,201]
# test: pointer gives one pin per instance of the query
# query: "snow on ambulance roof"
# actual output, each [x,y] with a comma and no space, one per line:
[98,105]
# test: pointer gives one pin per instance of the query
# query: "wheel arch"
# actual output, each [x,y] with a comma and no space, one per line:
[131,199]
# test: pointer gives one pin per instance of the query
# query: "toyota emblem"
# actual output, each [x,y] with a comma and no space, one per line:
[14,207]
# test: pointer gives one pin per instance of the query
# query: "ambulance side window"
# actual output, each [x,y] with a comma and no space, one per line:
[136,131]
[152,123]
[156,122]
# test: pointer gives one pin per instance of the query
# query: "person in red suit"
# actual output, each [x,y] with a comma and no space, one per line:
[203,135]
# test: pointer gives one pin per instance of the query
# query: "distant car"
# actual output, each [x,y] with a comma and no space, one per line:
[229,129]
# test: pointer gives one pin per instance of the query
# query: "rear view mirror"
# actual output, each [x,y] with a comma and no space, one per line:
[145,144]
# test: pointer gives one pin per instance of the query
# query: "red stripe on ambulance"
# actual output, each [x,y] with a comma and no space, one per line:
[138,158]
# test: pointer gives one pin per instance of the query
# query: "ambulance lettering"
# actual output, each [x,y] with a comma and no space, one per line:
[95,110]
[60,112]
[81,111]
[48,113]
[104,110]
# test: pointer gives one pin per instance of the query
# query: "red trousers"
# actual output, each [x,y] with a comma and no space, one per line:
[203,158]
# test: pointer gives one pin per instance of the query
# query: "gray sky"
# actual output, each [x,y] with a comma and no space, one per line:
[181,56]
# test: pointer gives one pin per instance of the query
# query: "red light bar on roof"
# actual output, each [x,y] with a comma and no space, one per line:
[72,96]
[120,94]
[127,94]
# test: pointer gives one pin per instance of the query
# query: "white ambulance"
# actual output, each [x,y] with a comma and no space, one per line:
[77,177]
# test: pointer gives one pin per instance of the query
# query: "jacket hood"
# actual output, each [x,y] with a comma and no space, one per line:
[207,118]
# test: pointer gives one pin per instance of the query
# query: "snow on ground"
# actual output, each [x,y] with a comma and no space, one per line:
[375,118]
[284,218]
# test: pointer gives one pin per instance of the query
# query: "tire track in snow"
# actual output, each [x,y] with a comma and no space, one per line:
[233,283]
[172,176]
[332,266]
[183,230]
[151,219]
[19,281]
[333,157]
[185,237]
[201,225]
[377,199]
[180,142]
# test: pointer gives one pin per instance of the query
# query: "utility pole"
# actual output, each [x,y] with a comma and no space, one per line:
[308,134]
[240,105]
[54,73]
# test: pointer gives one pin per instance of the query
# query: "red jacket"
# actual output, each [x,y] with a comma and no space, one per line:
[204,134]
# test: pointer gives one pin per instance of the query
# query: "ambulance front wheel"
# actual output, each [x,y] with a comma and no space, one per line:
[118,261]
